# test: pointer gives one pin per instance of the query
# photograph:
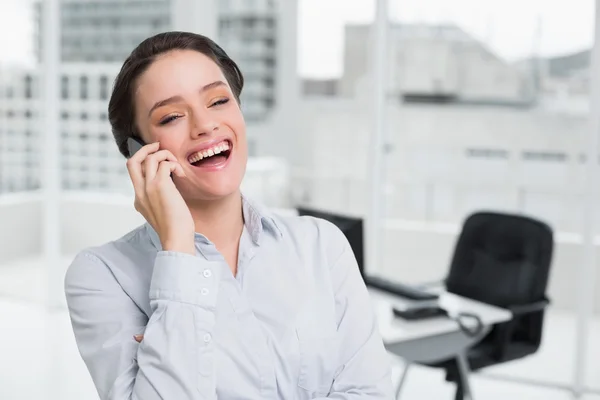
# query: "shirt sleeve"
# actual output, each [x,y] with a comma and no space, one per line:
[176,357]
[366,365]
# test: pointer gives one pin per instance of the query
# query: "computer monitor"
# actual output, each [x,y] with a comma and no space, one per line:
[352,228]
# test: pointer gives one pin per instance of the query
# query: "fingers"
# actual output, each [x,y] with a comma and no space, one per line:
[134,164]
[166,168]
[152,161]
[138,338]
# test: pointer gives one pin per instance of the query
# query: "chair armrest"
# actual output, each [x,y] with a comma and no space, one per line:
[505,330]
[529,308]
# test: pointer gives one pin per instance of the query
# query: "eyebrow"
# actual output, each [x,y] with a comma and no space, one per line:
[175,99]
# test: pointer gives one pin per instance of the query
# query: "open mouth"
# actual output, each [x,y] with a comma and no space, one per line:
[213,156]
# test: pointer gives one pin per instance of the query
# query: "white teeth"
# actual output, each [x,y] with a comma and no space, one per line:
[208,152]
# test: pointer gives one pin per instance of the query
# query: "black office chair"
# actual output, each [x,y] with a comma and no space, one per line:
[503,260]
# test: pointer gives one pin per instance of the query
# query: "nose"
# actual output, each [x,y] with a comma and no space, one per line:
[203,124]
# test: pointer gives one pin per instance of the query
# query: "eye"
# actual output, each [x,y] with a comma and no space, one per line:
[168,119]
[220,102]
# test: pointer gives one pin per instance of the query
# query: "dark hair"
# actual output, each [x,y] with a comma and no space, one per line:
[121,110]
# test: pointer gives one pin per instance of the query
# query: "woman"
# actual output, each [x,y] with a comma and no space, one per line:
[214,297]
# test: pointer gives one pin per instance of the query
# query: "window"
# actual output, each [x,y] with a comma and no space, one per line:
[487,153]
[544,156]
[64,115]
[84,116]
[28,114]
[103,116]
[83,89]
[270,62]
[28,86]
[103,87]
[64,87]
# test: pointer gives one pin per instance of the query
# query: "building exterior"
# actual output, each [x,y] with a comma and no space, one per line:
[19,131]
[440,63]
[248,31]
[105,30]
[90,159]
[98,31]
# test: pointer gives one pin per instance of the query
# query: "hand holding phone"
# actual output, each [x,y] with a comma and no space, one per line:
[156,196]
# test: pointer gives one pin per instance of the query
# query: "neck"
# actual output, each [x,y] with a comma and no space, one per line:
[221,221]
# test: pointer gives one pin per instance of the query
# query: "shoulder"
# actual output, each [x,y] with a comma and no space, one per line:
[315,233]
[93,265]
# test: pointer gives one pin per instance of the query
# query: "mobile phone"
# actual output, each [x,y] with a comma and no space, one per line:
[134,144]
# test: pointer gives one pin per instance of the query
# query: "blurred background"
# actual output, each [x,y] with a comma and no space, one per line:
[467,105]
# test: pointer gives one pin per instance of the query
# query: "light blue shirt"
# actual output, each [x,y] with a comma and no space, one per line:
[295,323]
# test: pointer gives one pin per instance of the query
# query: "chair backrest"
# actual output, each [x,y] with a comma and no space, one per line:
[501,259]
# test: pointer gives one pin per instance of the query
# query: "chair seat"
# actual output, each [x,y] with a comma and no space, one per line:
[480,357]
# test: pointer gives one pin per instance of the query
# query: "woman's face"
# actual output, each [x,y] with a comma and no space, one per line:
[184,102]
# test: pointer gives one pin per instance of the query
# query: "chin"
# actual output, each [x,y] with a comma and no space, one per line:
[209,191]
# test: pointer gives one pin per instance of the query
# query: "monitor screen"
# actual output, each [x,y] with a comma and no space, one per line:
[352,228]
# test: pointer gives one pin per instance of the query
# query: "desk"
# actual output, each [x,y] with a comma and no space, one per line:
[435,339]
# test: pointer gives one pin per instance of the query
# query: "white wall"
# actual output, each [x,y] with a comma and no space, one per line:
[20,233]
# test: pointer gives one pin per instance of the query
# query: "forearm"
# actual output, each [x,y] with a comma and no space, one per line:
[176,356]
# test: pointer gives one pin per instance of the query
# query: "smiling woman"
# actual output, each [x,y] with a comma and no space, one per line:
[215,296]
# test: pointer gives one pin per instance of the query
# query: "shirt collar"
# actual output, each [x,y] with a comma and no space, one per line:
[257,220]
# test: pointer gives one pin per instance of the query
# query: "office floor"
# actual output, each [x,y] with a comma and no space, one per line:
[39,359]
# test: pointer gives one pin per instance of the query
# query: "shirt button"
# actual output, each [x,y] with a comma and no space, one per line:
[204,291]
[207,338]
[207,273]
